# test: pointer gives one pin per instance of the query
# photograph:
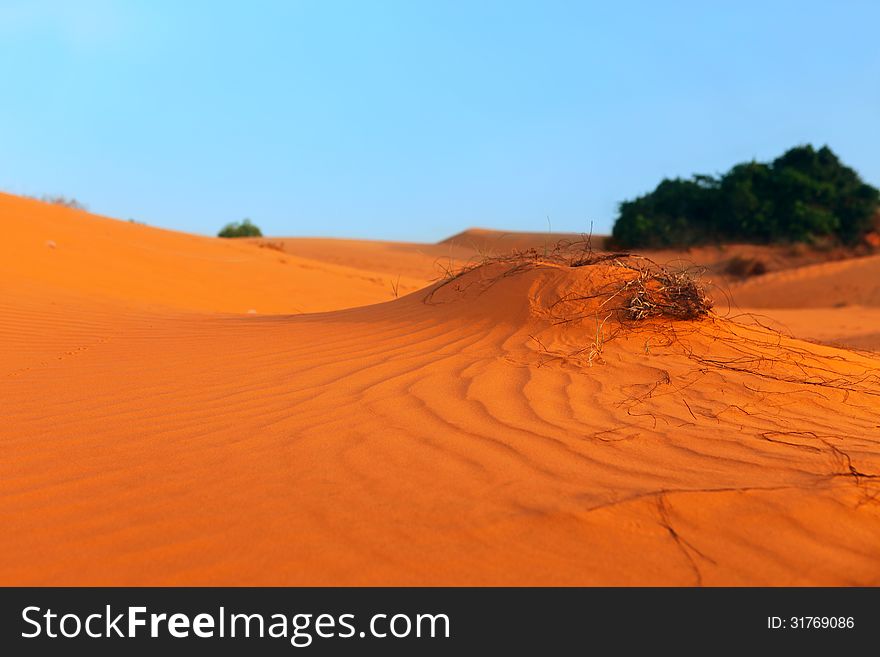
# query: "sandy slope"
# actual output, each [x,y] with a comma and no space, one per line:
[825,285]
[804,294]
[836,303]
[81,253]
[410,261]
[453,437]
[854,327]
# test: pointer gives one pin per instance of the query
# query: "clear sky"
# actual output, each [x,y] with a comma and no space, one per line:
[413,120]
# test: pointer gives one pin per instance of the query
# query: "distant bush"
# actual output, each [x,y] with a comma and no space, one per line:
[71,203]
[802,196]
[742,267]
[243,229]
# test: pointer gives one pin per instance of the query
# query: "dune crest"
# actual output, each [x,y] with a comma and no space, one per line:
[72,252]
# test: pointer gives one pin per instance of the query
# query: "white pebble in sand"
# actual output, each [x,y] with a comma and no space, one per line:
[51,244]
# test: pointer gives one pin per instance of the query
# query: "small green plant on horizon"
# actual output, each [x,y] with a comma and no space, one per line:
[242,229]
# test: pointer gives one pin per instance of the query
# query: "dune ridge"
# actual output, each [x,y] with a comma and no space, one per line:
[76,252]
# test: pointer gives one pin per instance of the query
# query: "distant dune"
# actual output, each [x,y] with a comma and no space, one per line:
[825,285]
[495,241]
[417,264]
[50,249]
[833,302]
[484,429]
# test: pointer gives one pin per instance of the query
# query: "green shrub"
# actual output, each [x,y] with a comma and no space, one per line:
[803,196]
[243,229]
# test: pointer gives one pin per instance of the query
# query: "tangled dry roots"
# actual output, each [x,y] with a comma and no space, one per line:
[659,292]
[654,292]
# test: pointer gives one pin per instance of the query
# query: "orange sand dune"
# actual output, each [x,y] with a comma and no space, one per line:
[494,242]
[409,260]
[793,281]
[855,327]
[832,302]
[826,285]
[427,262]
[473,432]
[79,253]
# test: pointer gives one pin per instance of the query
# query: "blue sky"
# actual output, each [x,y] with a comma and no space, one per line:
[413,120]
